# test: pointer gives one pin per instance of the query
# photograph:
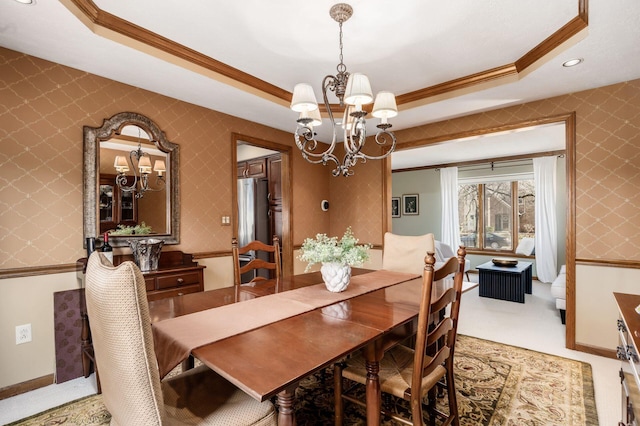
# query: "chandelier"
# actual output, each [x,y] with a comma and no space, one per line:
[353,91]
[141,163]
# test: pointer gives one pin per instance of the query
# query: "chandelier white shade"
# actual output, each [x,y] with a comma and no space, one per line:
[358,90]
[353,91]
[303,98]
[314,115]
[385,106]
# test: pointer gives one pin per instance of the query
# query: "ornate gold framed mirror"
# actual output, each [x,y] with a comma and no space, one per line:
[131,181]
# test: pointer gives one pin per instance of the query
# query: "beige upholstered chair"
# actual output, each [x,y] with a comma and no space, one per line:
[444,252]
[257,262]
[406,253]
[131,386]
[410,374]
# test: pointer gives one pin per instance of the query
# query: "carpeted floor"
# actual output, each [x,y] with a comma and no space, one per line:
[497,384]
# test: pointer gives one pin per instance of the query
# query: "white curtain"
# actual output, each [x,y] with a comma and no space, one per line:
[449,192]
[544,172]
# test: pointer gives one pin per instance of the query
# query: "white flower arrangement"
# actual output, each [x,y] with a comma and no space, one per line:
[325,249]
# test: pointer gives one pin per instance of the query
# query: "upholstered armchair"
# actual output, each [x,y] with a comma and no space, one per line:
[406,253]
[559,291]
[124,351]
[444,253]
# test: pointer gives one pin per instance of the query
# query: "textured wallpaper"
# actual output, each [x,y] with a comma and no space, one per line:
[357,202]
[43,107]
[607,162]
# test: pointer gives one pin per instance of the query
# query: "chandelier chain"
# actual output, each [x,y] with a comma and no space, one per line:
[341,66]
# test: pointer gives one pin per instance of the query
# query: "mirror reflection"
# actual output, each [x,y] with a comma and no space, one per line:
[131,184]
[133,189]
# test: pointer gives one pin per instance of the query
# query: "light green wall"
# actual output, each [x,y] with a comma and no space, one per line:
[425,183]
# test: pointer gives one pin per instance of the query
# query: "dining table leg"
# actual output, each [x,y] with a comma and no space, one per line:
[372,356]
[286,413]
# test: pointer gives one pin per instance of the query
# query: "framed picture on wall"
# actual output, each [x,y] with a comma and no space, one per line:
[395,206]
[410,204]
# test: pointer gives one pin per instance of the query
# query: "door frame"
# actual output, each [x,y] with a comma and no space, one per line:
[569,120]
[287,193]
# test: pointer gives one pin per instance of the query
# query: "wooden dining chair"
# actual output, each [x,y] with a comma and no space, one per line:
[124,349]
[408,373]
[257,262]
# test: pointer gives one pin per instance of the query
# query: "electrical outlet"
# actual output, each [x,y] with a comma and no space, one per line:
[226,221]
[23,333]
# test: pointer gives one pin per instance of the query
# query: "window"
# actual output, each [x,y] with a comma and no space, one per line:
[526,209]
[496,215]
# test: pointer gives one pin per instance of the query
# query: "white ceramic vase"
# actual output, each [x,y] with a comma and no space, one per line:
[336,276]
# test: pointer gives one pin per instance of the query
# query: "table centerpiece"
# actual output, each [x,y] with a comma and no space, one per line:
[337,257]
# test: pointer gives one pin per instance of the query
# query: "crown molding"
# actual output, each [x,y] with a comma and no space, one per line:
[124,32]
[117,29]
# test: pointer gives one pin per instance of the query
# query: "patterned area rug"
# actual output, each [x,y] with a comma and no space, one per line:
[497,384]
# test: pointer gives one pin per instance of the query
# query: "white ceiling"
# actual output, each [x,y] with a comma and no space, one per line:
[402,47]
[248,152]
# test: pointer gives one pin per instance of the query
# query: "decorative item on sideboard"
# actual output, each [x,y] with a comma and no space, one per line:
[91,245]
[106,249]
[146,253]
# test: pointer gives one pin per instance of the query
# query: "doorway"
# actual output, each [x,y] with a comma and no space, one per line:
[569,122]
[253,161]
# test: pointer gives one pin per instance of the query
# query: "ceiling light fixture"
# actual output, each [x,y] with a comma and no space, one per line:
[26,1]
[143,162]
[572,62]
[353,91]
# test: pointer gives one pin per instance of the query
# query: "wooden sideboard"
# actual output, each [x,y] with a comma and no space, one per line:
[629,329]
[177,274]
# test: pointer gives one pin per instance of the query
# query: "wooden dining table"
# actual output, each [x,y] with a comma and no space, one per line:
[271,359]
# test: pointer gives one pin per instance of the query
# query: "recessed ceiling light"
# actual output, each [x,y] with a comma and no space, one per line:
[572,62]
[26,1]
